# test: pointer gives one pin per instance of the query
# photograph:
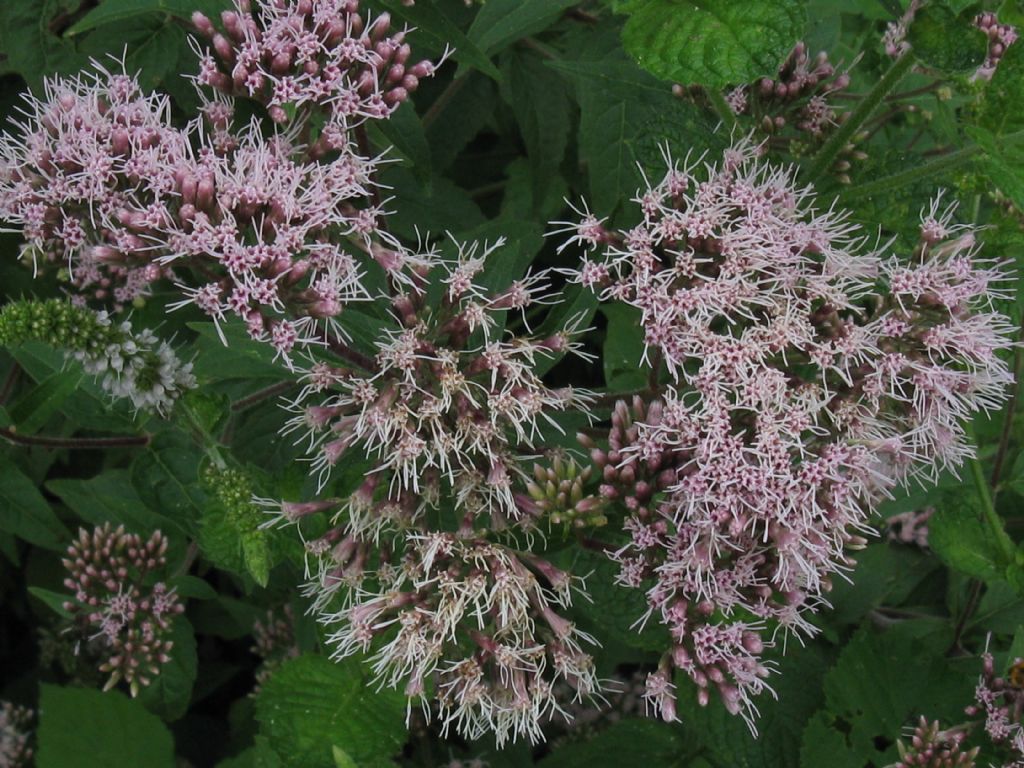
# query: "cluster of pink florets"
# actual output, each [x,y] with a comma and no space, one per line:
[482,622]
[1001,702]
[1000,37]
[311,52]
[125,618]
[808,377]
[90,179]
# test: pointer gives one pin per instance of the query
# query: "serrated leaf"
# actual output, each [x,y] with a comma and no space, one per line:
[958,536]
[151,45]
[25,513]
[712,42]
[166,477]
[169,694]
[256,555]
[404,131]
[943,40]
[110,497]
[460,119]
[88,729]
[311,704]
[634,741]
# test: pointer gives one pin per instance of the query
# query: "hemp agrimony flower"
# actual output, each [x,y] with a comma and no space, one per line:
[809,376]
[121,615]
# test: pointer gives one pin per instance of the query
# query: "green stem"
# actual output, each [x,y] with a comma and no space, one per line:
[828,152]
[725,113]
[941,164]
[988,508]
[207,440]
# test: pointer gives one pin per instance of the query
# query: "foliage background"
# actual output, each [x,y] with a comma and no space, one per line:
[544,101]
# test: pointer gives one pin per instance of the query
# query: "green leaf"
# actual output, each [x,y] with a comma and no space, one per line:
[38,405]
[311,703]
[170,692]
[166,477]
[537,95]
[824,745]
[240,358]
[53,600]
[25,513]
[882,680]
[635,741]
[341,758]
[958,536]
[30,46]
[404,131]
[152,47]
[110,497]
[111,11]
[460,119]
[431,23]
[712,42]
[501,22]
[88,729]
[260,755]
[1002,109]
[623,348]
[256,555]
[945,41]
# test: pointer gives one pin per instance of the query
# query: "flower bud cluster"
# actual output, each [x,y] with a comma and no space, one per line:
[129,364]
[1000,37]
[274,642]
[809,378]
[125,616]
[931,747]
[558,490]
[476,626]
[1001,702]
[90,177]
[311,52]
[15,736]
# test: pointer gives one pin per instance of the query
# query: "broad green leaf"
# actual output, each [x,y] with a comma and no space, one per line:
[53,600]
[959,537]
[824,745]
[171,691]
[166,477]
[256,555]
[311,704]
[109,497]
[1002,109]
[943,40]
[538,97]
[241,357]
[616,612]
[460,119]
[623,349]
[38,405]
[89,729]
[501,22]
[152,46]
[635,741]
[404,132]
[25,513]
[712,42]
[29,43]
[444,207]
[883,680]
[260,755]
[112,11]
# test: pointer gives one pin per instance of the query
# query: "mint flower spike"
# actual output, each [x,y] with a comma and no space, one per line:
[126,621]
[134,365]
[810,376]
[89,177]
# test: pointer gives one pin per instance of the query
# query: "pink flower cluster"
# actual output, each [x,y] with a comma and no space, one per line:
[123,617]
[931,747]
[809,376]
[90,179]
[478,619]
[1001,702]
[311,52]
[1000,37]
